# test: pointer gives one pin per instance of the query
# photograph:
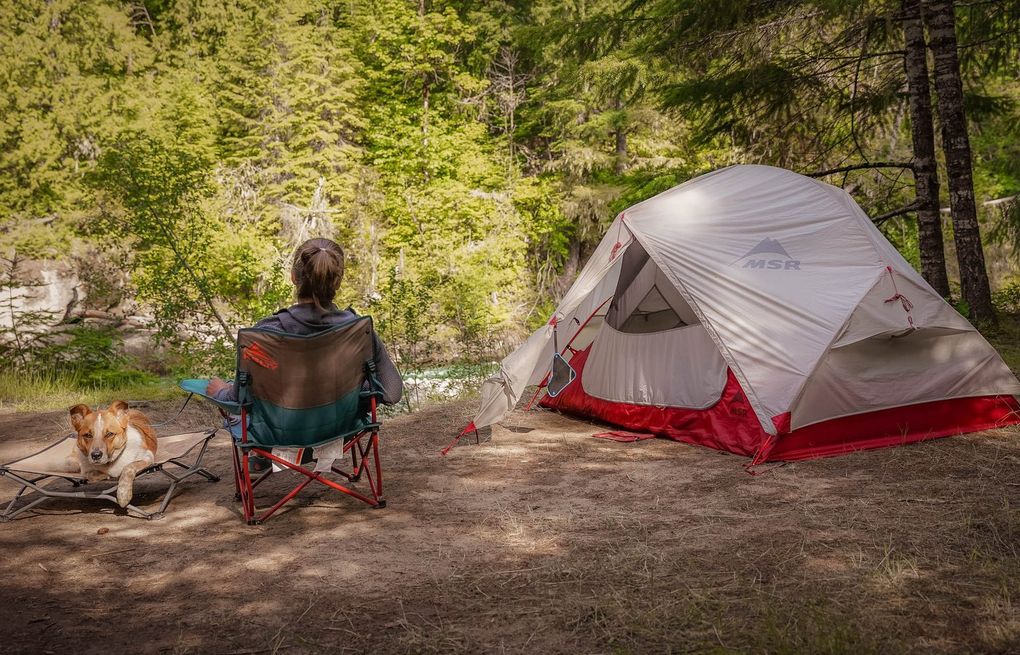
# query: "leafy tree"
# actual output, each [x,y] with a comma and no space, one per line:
[468,155]
[71,73]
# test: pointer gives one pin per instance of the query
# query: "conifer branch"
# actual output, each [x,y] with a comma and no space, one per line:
[863,166]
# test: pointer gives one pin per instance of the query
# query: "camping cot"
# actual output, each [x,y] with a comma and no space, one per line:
[45,474]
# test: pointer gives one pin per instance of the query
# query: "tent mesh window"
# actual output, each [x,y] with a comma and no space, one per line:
[645,301]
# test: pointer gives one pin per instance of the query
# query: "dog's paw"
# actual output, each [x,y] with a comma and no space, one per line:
[95,476]
[124,494]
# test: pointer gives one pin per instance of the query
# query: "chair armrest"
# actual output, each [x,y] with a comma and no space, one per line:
[198,386]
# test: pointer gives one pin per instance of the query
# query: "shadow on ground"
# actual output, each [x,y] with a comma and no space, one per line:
[541,539]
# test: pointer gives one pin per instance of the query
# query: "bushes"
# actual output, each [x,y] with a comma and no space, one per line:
[1007,299]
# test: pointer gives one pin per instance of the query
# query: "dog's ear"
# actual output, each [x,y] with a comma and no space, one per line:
[119,409]
[78,414]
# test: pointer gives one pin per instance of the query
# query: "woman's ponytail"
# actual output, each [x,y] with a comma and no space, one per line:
[318,271]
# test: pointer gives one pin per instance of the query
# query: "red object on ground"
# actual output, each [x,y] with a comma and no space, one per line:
[731,424]
[623,436]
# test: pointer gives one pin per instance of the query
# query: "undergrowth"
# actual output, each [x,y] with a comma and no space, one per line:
[45,391]
[1005,337]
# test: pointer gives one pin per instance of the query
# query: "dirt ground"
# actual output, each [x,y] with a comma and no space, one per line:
[541,539]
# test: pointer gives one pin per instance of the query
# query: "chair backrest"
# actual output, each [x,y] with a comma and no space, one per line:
[305,390]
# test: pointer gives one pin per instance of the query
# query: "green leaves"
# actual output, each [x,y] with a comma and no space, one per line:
[467,155]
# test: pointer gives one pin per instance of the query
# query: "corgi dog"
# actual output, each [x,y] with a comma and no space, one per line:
[113,443]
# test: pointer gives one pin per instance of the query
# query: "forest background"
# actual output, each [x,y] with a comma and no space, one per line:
[162,159]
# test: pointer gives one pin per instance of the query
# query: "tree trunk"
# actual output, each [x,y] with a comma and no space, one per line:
[621,142]
[570,268]
[621,151]
[941,21]
[922,132]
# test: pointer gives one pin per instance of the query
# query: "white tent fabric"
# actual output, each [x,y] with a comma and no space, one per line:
[784,273]
[672,368]
[530,363]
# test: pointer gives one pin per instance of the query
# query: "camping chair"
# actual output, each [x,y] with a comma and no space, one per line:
[302,397]
[38,473]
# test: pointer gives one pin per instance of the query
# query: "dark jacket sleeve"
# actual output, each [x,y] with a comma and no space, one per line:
[387,373]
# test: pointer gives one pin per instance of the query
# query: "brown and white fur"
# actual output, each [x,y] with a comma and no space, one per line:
[113,443]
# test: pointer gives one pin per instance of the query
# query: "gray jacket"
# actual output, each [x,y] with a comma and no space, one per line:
[306,318]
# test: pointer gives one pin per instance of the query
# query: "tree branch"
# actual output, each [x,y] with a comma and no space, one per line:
[199,282]
[865,165]
[914,206]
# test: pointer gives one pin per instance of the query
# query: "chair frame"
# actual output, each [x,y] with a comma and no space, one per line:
[364,443]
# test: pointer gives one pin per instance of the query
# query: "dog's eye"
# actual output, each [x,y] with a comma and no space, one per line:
[109,434]
[88,437]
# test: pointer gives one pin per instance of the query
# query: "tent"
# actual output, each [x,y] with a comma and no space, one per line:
[758,311]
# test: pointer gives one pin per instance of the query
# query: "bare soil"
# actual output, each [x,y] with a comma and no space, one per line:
[541,539]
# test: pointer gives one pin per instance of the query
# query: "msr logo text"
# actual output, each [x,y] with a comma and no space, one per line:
[774,264]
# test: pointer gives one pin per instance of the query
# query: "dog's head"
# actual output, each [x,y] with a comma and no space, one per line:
[102,435]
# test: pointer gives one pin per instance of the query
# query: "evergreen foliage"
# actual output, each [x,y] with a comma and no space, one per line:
[467,155]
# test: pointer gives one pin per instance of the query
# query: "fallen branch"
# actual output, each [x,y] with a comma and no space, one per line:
[865,165]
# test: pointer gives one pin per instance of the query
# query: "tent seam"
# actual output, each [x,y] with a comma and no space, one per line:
[748,390]
[842,326]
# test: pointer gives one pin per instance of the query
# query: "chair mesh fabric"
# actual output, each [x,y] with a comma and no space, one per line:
[304,390]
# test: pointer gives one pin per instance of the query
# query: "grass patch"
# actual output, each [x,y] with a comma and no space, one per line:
[1006,339]
[47,391]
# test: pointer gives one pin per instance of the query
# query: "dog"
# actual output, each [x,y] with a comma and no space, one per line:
[113,443]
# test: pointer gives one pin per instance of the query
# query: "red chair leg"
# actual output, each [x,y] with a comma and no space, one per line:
[286,499]
[355,471]
[378,465]
[374,479]
[236,461]
[248,493]
[360,453]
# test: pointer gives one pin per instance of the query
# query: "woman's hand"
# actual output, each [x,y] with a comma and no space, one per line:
[215,386]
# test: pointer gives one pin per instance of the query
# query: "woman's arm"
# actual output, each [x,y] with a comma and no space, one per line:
[387,373]
[221,390]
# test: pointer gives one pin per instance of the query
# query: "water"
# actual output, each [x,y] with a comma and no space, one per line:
[443,384]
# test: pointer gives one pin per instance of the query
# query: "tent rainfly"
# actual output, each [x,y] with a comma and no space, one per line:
[761,312]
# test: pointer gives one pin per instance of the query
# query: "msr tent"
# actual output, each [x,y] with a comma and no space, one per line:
[761,312]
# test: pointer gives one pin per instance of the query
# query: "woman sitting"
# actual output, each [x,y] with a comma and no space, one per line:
[317,272]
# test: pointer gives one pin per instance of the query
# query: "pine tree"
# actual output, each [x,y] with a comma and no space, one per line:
[940,18]
[72,81]
[926,181]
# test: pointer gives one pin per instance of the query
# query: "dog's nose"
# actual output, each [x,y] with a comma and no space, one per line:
[97,455]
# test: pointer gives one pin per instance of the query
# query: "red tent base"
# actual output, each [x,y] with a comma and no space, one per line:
[731,425]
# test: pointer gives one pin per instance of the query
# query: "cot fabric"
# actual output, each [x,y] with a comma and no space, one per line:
[57,459]
[178,458]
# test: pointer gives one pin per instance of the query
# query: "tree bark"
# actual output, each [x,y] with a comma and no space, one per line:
[621,142]
[621,151]
[941,21]
[922,132]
